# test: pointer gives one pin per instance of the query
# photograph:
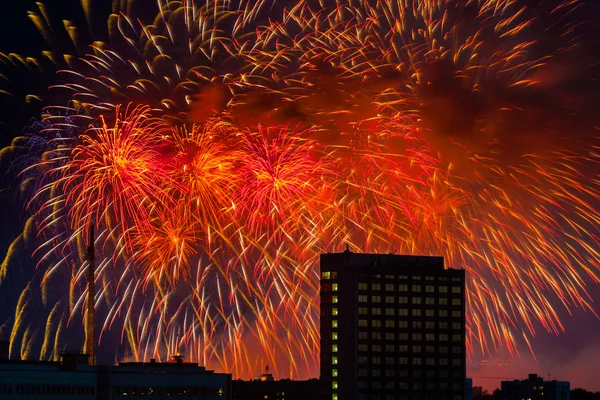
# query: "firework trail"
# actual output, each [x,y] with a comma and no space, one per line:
[222,147]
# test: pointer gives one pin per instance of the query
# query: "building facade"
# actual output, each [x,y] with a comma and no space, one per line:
[73,378]
[392,327]
[535,388]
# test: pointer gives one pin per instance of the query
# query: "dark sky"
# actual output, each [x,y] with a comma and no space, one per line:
[574,355]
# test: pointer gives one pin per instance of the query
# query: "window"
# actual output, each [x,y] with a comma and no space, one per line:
[430,337]
[363,322]
[334,299]
[443,361]
[376,323]
[429,325]
[417,360]
[416,336]
[334,323]
[363,310]
[362,298]
[363,372]
[334,287]
[390,299]
[403,312]
[334,372]
[403,287]
[403,360]
[417,349]
[456,326]
[456,338]
[444,349]
[456,362]
[390,336]
[416,324]
[403,324]
[376,335]
[334,385]
[456,350]
[443,302]
[455,279]
[403,373]
[390,348]
[403,348]
[390,311]
[430,349]
[334,348]
[430,278]
[456,302]
[363,347]
[334,311]
[416,313]
[417,277]
[403,336]
[416,288]
[443,289]
[443,337]
[430,300]
[334,360]
[456,314]
[430,361]
[429,289]
[363,360]
[376,372]
[376,299]
[376,360]
[376,311]
[376,348]
[442,313]
[334,336]
[375,286]
[416,300]
[403,277]
[429,313]
[389,324]
[403,300]
[325,275]
[362,286]
[363,335]
[443,325]
[389,277]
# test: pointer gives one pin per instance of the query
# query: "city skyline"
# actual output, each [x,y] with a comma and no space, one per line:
[219,150]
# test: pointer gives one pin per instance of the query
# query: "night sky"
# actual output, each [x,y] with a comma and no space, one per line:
[572,355]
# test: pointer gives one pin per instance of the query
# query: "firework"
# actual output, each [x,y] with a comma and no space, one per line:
[221,148]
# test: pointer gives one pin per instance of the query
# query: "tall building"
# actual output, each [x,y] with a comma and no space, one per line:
[535,388]
[392,327]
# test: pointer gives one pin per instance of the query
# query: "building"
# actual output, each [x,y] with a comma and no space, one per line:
[73,378]
[392,327]
[70,378]
[265,387]
[535,388]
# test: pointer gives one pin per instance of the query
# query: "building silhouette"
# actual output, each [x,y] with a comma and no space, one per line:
[266,387]
[535,388]
[73,378]
[392,327]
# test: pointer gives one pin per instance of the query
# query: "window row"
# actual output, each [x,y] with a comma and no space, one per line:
[403,287]
[403,348]
[363,298]
[441,337]
[50,390]
[409,385]
[430,361]
[415,312]
[406,277]
[442,374]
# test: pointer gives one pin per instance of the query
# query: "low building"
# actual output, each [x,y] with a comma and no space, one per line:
[535,388]
[72,378]
[265,387]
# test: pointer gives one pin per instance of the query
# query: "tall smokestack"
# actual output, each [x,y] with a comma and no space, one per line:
[90,339]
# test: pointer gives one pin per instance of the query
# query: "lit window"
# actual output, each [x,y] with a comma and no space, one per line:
[403,324]
[334,385]
[456,302]
[430,300]
[442,313]
[334,336]
[416,313]
[390,311]
[417,324]
[390,336]
[334,360]
[429,289]
[363,322]
[416,288]
[416,300]
[375,286]
[334,397]
[363,310]
[334,323]
[456,314]
[376,311]
[429,278]
[443,289]
[362,286]
[403,360]
[334,311]
[376,324]
[403,312]
[403,300]
[334,287]
[456,279]
[456,325]
[389,324]
[334,373]
[403,288]
[334,299]
[389,287]
[430,337]
[403,336]
[334,348]
[390,299]
[443,301]
[376,299]
[456,338]
[325,275]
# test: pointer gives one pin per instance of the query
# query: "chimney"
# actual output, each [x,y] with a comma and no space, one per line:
[90,325]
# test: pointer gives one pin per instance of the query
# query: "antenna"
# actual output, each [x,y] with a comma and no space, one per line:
[90,325]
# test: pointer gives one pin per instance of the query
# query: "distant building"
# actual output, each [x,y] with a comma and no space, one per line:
[535,388]
[73,378]
[392,327]
[266,387]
